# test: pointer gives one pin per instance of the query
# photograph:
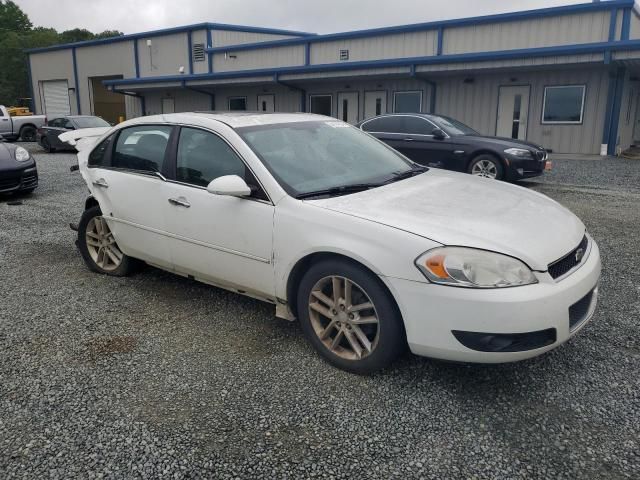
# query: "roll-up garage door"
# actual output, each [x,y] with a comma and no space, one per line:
[56,98]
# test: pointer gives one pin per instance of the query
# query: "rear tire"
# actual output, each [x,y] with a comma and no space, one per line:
[28,133]
[98,247]
[359,329]
[486,166]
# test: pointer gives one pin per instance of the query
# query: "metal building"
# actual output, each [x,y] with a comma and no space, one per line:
[567,78]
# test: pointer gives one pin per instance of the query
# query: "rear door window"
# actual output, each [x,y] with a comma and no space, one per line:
[141,148]
[384,125]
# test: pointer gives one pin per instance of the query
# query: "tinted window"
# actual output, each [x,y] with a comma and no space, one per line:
[141,148]
[237,103]
[417,126]
[384,124]
[90,122]
[407,102]
[563,104]
[66,123]
[97,158]
[56,122]
[321,104]
[203,156]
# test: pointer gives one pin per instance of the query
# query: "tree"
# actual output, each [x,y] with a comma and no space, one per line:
[12,18]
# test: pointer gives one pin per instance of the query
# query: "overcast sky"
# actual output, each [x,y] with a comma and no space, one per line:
[320,16]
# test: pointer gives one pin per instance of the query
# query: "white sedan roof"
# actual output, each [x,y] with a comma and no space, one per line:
[237,119]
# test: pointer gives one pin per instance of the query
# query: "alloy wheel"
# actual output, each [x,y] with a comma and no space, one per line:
[485,168]
[344,318]
[102,246]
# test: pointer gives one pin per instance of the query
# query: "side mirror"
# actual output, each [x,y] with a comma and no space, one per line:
[229,185]
[438,134]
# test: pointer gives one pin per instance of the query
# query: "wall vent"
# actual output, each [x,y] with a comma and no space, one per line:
[344,55]
[198,52]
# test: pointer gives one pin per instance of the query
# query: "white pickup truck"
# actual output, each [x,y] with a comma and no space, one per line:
[13,128]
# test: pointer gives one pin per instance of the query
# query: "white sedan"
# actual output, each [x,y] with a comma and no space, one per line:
[369,251]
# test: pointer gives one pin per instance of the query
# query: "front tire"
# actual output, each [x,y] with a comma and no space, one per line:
[486,166]
[98,246]
[349,317]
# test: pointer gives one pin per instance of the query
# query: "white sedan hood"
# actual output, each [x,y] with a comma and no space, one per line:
[459,209]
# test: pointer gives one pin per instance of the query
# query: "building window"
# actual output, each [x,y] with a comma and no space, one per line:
[237,103]
[321,104]
[563,104]
[407,102]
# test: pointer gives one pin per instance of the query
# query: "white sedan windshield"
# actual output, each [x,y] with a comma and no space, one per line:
[312,156]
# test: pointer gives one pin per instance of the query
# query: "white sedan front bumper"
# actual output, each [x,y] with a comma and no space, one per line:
[432,313]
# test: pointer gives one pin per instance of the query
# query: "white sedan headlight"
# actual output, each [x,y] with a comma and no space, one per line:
[471,268]
[21,154]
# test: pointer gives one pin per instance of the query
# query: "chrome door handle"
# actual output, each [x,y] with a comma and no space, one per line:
[101,183]
[408,139]
[179,202]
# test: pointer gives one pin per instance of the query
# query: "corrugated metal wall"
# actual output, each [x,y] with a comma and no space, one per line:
[57,65]
[252,59]
[542,32]
[165,56]
[102,60]
[476,104]
[222,38]
[401,45]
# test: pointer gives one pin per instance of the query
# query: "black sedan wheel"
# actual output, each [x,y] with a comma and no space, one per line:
[486,166]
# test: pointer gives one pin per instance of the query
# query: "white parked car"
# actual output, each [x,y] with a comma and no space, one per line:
[370,251]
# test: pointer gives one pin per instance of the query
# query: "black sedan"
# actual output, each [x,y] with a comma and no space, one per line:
[47,136]
[18,172]
[442,142]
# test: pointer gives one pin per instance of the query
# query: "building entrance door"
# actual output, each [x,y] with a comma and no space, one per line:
[513,112]
[348,107]
[266,103]
[375,103]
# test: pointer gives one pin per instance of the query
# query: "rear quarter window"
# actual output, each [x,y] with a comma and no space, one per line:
[98,156]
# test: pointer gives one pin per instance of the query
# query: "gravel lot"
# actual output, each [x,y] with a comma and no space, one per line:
[156,375]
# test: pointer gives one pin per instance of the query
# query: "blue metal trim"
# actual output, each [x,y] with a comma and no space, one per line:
[169,31]
[190,50]
[75,79]
[616,107]
[626,24]
[600,47]
[440,40]
[209,54]
[307,53]
[499,18]
[612,33]
[136,58]
[32,102]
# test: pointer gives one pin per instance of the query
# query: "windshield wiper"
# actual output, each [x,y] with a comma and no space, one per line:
[341,190]
[417,170]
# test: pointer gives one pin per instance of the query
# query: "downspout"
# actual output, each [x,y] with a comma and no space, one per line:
[204,92]
[303,92]
[143,104]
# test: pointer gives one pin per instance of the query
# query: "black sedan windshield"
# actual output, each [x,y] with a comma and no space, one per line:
[453,127]
[90,122]
[308,157]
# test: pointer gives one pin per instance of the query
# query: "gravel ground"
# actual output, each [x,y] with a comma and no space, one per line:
[158,376]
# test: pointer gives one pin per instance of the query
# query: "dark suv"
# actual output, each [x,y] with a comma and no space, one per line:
[438,141]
